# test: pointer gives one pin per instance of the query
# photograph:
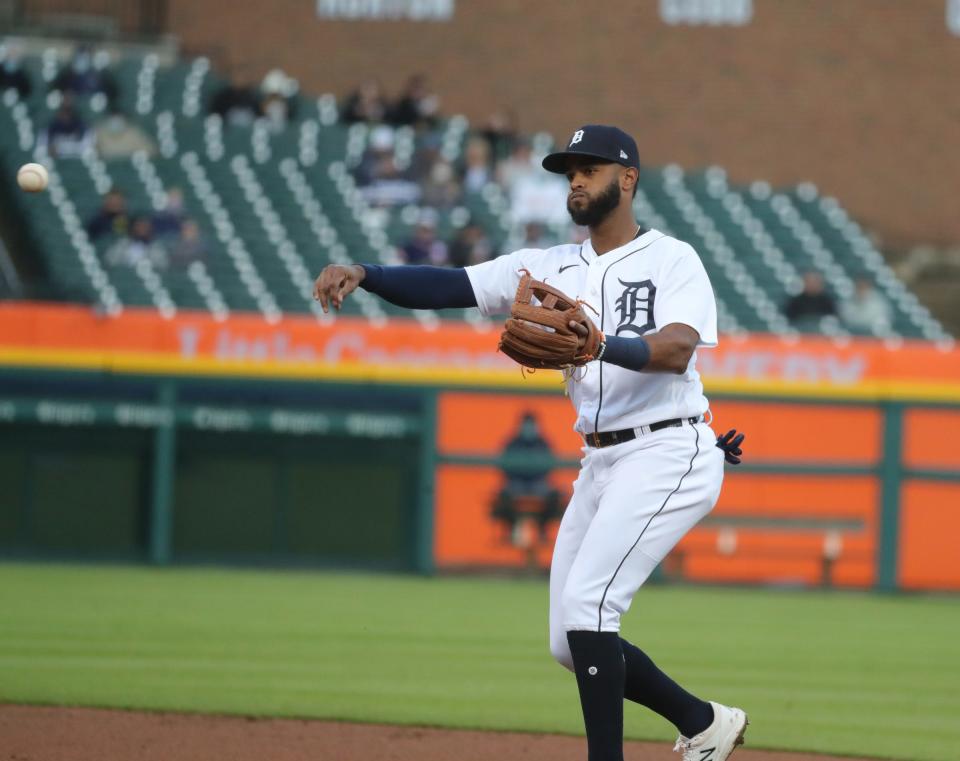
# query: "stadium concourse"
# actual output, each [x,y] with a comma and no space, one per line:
[276,205]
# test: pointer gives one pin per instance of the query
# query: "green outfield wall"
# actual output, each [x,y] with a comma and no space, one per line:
[170,470]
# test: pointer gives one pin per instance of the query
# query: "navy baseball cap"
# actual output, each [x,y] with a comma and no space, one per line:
[599,141]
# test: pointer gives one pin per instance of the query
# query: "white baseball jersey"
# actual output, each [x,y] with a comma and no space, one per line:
[650,282]
[617,527]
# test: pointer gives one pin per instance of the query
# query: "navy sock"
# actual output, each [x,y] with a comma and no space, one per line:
[599,666]
[649,686]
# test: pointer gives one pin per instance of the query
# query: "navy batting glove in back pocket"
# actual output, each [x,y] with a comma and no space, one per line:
[730,444]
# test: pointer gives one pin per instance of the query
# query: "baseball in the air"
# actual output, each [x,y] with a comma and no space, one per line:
[33,177]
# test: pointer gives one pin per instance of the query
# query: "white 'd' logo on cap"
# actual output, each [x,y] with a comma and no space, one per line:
[577,137]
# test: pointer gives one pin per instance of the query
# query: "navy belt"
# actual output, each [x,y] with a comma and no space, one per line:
[609,438]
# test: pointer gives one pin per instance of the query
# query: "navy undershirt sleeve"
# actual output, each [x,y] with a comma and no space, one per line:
[420,286]
[631,353]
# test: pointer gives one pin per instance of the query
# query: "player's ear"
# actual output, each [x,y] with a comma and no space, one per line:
[629,179]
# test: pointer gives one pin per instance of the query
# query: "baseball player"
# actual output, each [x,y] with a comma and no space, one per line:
[650,469]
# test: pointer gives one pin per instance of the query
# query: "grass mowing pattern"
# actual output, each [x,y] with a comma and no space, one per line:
[832,672]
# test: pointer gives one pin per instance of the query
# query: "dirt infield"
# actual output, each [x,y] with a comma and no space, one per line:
[30,733]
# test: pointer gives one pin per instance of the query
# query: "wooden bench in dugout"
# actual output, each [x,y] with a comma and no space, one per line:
[823,541]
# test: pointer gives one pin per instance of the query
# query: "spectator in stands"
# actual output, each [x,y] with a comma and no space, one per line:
[381,181]
[423,247]
[82,77]
[12,75]
[188,248]
[427,153]
[476,161]
[277,105]
[470,246]
[535,195]
[169,220]
[117,137]
[417,106]
[519,165]
[377,159]
[237,104]
[440,188]
[365,104]
[67,135]
[500,132]
[111,218]
[812,302]
[868,312]
[140,245]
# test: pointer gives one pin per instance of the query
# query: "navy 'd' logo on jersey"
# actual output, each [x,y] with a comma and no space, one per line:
[635,307]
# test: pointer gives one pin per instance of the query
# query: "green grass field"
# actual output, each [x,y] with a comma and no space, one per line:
[833,672]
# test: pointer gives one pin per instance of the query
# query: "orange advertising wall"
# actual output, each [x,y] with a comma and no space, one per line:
[930,510]
[930,438]
[929,531]
[766,527]
[405,351]
[803,433]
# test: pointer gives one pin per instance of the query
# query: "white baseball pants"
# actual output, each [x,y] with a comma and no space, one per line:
[631,504]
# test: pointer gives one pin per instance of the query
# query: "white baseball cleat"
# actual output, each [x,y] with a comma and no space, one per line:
[717,741]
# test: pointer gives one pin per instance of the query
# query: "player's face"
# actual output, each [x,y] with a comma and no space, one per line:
[594,190]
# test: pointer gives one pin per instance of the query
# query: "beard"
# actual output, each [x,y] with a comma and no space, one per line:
[598,208]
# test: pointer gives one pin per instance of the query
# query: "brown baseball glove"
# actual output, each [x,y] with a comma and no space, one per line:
[540,336]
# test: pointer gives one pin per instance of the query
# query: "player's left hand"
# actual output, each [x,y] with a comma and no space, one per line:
[554,334]
[581,330]
[730,444]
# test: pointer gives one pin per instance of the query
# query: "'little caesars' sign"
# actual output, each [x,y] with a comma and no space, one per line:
[387,10]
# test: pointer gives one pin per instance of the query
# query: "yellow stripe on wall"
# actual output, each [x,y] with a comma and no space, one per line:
[133,363]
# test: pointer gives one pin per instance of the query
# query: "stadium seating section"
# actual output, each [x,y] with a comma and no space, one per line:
[276,207]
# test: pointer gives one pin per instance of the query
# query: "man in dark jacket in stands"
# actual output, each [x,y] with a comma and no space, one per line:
[12,75]
[237,104]
[111,218]
[416,106]
[82,77]
[812,302]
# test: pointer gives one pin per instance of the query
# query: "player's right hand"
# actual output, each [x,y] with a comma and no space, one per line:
[335,283]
